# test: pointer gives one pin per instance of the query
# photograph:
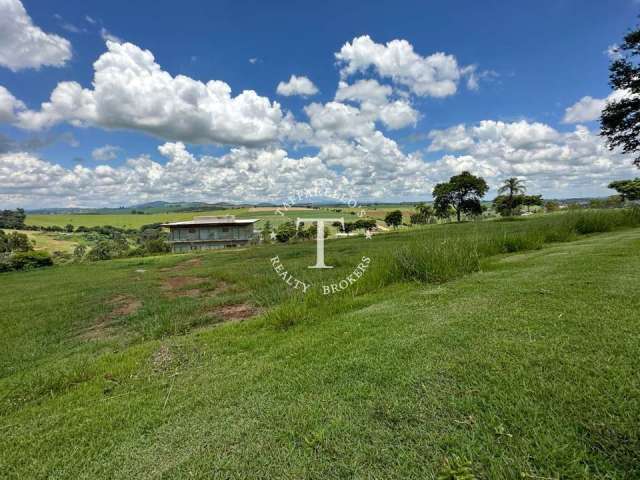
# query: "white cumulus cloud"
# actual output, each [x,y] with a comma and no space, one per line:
[297,86]
[9,106]
[398,114]
[365,90]
[550,161]
[373,99]
[367,166]
[131,91]
[25,45]
[588,109]
[105,153]
[436,75]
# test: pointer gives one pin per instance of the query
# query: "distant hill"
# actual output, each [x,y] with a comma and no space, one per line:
[161,206]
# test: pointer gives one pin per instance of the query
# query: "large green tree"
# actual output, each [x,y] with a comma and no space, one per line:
[393,218]
[620,120]
[532,201]
[462,193]
[628,189]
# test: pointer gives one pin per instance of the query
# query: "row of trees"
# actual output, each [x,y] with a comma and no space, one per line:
[462,195]
[288,231]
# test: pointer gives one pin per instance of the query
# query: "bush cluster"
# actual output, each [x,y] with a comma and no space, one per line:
[16,253]
[362,224]
[108,242]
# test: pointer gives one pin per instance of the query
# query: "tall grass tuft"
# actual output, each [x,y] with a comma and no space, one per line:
[288,314]
[437,258]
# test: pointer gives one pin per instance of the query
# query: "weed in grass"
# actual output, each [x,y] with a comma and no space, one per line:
[288,315]
[455,468]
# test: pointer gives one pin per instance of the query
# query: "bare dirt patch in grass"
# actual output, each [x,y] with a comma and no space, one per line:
[124,305]
[121,306]
[192,293]
[182,266]
[221,287]
[174,287]
[233,312]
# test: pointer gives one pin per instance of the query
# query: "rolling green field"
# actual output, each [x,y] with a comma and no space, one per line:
[128,220]
[503,349]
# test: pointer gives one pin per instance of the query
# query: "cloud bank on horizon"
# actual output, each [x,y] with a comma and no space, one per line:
[345,141]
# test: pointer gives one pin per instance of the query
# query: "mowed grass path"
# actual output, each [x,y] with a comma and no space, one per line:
[527,369]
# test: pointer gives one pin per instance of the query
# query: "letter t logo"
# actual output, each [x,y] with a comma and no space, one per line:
[320,237]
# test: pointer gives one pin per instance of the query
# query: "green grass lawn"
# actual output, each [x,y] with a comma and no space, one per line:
[520,365]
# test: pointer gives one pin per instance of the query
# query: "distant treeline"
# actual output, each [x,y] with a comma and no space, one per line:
[107,230]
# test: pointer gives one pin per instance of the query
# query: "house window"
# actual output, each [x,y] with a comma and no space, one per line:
[192,230]
[225,229]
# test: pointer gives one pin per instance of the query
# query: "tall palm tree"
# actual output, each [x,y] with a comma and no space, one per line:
[514,186]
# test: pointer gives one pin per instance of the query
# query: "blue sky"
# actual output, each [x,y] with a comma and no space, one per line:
[518,65]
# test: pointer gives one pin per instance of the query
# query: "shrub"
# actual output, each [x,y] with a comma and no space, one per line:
[137,252]
[61,257]
[18,242]
[285,232]
[157,245]
[552,206]
[29,260]
[366,224]
[101,251]
[393,218]
[79,251]
[5,263]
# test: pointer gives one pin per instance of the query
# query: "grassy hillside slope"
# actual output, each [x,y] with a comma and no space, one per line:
[527,368]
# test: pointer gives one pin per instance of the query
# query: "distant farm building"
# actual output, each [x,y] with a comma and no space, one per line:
[205,233]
